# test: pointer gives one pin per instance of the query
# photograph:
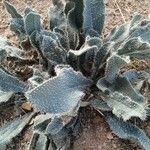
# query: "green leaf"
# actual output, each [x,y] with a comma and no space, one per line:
[60,132]
[60,94]
[125,107]
[123,85]
[93,14]
[100,104]
[126,130]
[142,31]
[51,50]
[41,122]
[114,63]
[57,132]
[12,10]
[135,48]
[5,98]
[134,74]
[17,21]
[7,49]
[8,83]
[17,26]
[120,33]
[27,10]
[74,10]
[12,129]
[39,142]
[102,54]
[56,15]
[32,23]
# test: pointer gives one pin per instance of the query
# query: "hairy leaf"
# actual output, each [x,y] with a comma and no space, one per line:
[27,10]
[60,94]
[17,21]
[57,16]
[10,83]
[135,48]
[5,98]
[12,129]
[100,104]
[120,33]
[114,63]
[125,107]
[57,132]
[7,49]
[39,142]
[32,23]
[134,74]
[41,122]
[51,50]
[60,132]
[127,130]
[123,85]
[74,10]
[93,15]
[141,30]
[12,10]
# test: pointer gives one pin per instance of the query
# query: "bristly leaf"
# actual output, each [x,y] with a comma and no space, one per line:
[17,21]
[5,98]
[134,74]
[60,131]
[57,16]
[32,23]
[12,10]
[99,104]
[74,12]
[127,130]
[12,129]
[27,10]
[124,107]
[7,49]
[120,33]
[41,122]
[114,63]
[10,83]
[60,94]
[57,132]
[93,14]
[51,50]
[39,142]
[135,48]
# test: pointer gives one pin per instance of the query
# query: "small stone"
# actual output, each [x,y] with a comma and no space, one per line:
[26,106]
[110,136]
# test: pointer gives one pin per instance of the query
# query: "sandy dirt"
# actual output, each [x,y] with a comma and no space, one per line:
[95,134]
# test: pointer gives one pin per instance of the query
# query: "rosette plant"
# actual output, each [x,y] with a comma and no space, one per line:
[74,68]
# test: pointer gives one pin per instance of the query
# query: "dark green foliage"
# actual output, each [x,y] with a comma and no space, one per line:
[127,130]
[32,23]
[100,104]
[11,10]
[39,142]
[7,49]
[12,129]
[17,22]
[9,83]
[69,86]
[74,10]
[5,98]
[93,15]
[77,68]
